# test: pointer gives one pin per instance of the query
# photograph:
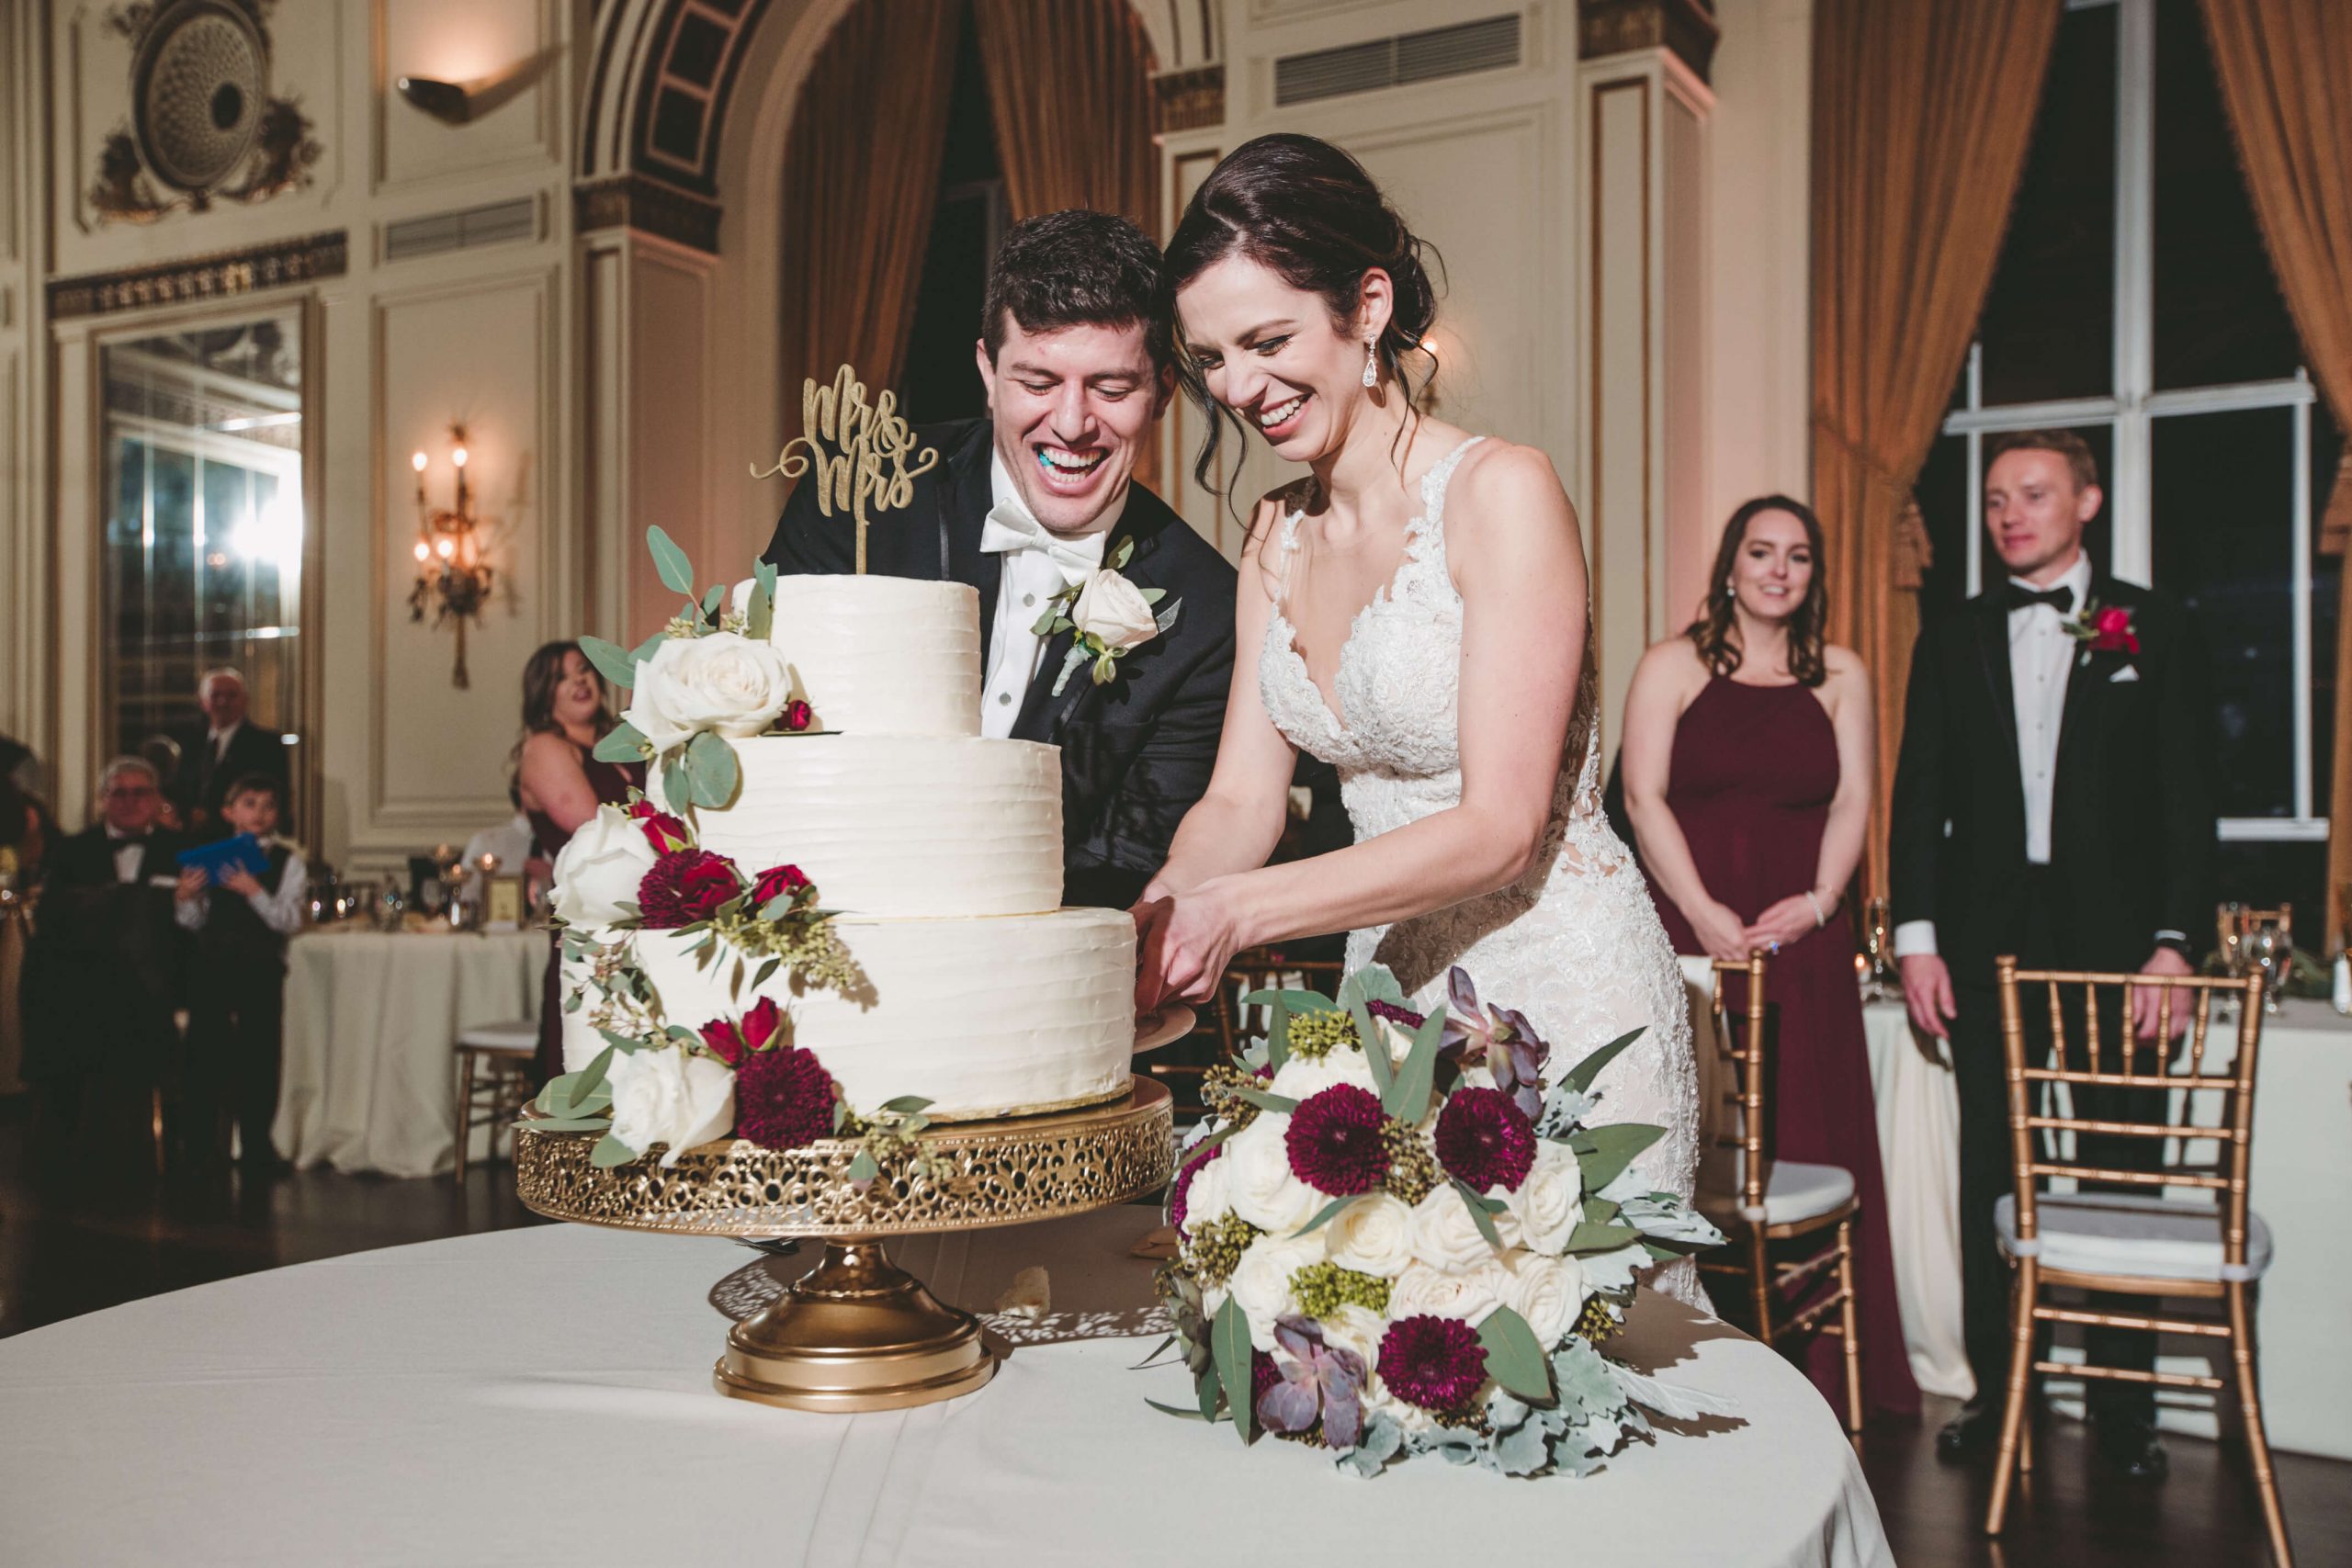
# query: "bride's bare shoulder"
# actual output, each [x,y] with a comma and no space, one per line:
[1502,487]
[1272,511]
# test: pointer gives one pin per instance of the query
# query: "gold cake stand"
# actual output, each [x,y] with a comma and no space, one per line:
[857,1332]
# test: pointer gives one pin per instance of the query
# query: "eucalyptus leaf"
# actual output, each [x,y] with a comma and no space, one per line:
[677,783]
[609,1152]
[906,1104]
[1375,1049]
[863,1168]
[1373,983]
[1297,1002]
[1579,1077]
[1176,1411]
[644,650]
[1145,1363]
[1477,1204]
[1278,1036]
[1264,1100]
[1590,1236]
[766,969]
[1604,1152]
[1514,1358]
[1230,1345]
[591,1078]
[567,1123]
[670,562]
[1407,1098]
[1325,1214]
[1207,1387]
[624,744]
[1154,595]
[715,772]
[611,661]
[759,612]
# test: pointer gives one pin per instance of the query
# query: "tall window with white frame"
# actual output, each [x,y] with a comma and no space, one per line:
[2134,304]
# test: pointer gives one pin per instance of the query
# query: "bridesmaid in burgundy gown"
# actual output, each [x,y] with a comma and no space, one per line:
[1747,769]
[560,785]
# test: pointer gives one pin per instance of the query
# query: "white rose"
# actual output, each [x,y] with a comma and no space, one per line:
[1550,1203]
[1112,608]
[722,683]
[668,1096]
[1359,1329]
[1444,1234]
[1410,1419]
[1374,1235]
[1259,1187]
[1468,1294]
[1548,1293]
[1302,1080]
[1204,1200]
[600,868]
[1260,1280]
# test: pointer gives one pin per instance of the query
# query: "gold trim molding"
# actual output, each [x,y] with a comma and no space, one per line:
[221,276]
[1685,29]
[1187,100]
[633,201]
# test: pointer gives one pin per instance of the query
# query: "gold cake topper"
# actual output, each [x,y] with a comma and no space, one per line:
[865,471]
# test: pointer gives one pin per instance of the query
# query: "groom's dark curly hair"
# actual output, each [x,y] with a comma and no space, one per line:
[1076,268]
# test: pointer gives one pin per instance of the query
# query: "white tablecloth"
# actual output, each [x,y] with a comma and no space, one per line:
[2302,1172]
[544,1396]
[372,1028]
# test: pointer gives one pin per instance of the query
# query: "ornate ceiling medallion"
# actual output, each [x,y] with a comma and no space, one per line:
[203,123]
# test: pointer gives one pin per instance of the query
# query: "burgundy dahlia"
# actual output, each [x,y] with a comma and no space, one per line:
[663,831]
[1334,1141]
[784,1098]
[1264,1375]
[1183,1189]
[1484,1140]
[797,716]
[779,882]
[1436,1363]
[684,886]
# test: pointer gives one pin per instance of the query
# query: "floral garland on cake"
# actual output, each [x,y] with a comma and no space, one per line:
[1399,1236]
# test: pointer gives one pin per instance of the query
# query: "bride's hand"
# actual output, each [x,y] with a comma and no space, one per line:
[1183,944]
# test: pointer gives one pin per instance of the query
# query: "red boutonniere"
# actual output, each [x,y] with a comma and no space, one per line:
[2104,629]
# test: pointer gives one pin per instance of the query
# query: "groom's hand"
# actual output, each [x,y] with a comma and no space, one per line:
[1927,991]
[2146,1000]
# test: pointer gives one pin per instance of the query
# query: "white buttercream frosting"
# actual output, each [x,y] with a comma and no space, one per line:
[881,655]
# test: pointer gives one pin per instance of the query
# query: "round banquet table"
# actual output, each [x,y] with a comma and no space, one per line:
[370,1076]
[543,1395]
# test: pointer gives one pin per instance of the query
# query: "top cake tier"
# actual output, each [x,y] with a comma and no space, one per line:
[882,655]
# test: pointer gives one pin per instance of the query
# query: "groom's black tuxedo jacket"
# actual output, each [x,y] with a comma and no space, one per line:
[2131,811]
[1136,753]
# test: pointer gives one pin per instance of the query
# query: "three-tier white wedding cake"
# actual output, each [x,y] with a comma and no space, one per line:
[940,853]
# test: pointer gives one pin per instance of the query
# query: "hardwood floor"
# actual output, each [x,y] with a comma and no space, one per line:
[69,1247]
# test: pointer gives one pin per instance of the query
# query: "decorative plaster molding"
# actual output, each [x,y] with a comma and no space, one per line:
[1684,28]
[634,201]
[216,277]
[1187,100]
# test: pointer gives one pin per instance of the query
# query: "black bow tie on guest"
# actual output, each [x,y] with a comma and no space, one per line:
[2017,596]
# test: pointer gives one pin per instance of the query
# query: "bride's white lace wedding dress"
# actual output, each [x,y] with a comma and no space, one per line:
[1575,944]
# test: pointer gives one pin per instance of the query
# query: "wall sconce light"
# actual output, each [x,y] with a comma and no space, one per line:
[444,101]
[458,103]
[453,580]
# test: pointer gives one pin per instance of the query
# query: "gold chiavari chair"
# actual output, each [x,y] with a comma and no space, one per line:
[2132,1243]
[1180,1064]
[1757,1201]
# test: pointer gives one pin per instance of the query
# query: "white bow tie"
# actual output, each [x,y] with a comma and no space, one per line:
[1009,528]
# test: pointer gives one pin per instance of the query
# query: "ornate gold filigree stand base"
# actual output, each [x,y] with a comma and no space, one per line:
[857,1333]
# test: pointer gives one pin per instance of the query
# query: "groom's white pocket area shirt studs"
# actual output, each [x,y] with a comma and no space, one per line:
[1034,572]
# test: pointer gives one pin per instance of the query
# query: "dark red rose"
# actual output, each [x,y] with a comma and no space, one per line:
[728,1041]
[684,886]
[2114,633]
[760,1024]
[779,882]
[725,1040]
[797,716]
[663,831]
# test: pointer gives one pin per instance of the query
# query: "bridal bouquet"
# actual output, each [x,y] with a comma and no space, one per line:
[1399,1236]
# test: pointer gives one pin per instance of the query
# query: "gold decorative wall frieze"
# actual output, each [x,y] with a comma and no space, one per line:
[1686,29]
[220,275]
[1187,101]
[633,201]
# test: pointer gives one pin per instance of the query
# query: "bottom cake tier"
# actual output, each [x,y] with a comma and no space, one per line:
[999,1015]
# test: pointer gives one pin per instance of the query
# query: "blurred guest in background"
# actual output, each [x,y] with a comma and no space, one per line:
[560,784]
[230,747]
[102,978]
[24,835]
[236,987]
[1747,763]
[163,754]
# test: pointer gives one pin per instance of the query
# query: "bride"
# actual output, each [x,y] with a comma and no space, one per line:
[1418,612]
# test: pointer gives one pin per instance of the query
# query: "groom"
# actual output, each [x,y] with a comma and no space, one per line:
[1034,501]
[2053,801]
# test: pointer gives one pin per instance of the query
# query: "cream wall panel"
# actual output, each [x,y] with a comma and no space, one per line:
[674,473]
[1618,515]
[1685,330]
[478,354]
[466,41]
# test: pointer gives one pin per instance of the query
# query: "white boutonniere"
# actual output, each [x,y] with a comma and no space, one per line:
[1110,615]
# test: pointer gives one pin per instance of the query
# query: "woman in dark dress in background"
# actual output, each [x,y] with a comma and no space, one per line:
[560,785]
[1749,764]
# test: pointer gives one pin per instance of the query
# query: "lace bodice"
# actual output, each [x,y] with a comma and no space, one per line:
[1575,944]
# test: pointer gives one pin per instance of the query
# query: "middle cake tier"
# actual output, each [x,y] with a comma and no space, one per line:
[898,824]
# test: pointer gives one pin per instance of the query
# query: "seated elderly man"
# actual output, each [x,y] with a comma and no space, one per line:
[104,973]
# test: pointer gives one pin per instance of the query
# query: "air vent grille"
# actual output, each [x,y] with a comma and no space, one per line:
[1489,44]
[461,231]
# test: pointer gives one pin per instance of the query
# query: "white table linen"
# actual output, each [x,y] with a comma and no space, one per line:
[1918,1147]
[543,1395]
[369,1080]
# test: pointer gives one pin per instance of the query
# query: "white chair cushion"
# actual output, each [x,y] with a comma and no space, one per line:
[2122,1233]
[521,1037]
[1799,1191]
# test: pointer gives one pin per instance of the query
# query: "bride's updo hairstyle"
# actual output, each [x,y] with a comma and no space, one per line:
[1308,213]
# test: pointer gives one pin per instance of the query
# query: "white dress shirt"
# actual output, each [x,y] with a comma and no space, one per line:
[219,740]
[1032,574]
[2040,660]
[130,854]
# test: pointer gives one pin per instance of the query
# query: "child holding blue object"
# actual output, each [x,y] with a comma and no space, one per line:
[236,990]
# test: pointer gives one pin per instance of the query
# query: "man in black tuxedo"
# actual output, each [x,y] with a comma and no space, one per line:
[104,971]
[2053,801]
[1035,500]
[231,747]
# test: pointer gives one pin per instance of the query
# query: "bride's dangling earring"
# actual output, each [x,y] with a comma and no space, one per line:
[1371,367]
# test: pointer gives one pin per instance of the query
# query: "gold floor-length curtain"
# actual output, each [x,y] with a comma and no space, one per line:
[2285,66]
[1069,95]
[861,178]
[1922,112]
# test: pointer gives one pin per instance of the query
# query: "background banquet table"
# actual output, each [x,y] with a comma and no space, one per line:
[371,1026]
[543,1395]
[2302,1168]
